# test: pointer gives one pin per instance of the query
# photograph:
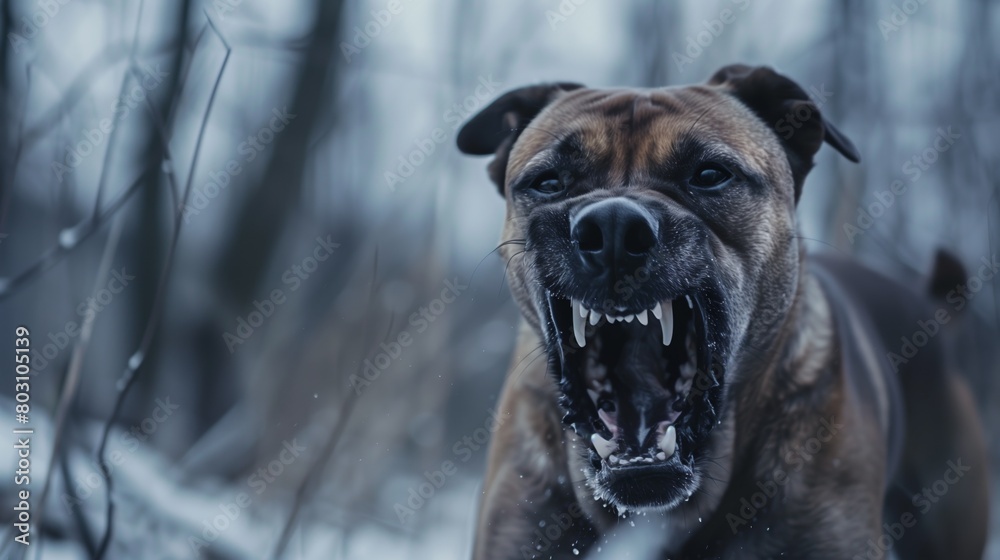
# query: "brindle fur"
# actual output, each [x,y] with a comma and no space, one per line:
[787,374]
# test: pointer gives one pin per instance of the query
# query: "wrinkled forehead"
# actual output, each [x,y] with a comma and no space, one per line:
[635,130]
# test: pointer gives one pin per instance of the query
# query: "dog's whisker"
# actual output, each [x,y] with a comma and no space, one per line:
[495,249]
[507,267]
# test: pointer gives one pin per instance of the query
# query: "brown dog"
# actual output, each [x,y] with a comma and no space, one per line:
[699,371]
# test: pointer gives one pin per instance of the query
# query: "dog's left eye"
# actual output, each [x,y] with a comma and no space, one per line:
[709,175]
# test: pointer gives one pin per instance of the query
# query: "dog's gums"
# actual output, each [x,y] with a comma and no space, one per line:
[628,389]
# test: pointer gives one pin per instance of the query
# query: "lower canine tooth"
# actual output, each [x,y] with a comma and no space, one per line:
[669,441]
[667,321]
[604,447]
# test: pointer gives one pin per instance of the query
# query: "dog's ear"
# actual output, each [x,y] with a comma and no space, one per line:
[787,109]
[494,129]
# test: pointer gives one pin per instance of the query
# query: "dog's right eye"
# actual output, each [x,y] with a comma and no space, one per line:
[548,184]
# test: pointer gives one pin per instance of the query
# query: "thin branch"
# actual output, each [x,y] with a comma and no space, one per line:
[69,239]
[137,359]
[72,379]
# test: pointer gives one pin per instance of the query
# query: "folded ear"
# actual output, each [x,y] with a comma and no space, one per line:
[787,109]
[494,129]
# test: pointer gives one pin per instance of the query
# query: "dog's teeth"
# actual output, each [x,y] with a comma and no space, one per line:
[656,311]
[647,459]
[581,310]
[594,317]
[608,421]
[669,441]
[661,456]
[604,447]
[613,459]
[667,321]
[579,327]
[643,318]
[690,303]
[628,318]
[593,395]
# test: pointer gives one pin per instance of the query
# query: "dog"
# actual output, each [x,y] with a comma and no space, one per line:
[682,361]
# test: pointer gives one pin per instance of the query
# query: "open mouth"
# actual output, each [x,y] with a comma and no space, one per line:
[640,386]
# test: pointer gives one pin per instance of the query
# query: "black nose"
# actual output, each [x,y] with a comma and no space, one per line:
[614,235]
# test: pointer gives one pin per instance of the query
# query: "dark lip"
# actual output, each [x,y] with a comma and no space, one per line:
[694,425]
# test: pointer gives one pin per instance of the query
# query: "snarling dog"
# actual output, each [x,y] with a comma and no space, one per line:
[700,370]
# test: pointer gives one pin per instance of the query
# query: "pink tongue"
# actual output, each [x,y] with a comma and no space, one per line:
[609,421]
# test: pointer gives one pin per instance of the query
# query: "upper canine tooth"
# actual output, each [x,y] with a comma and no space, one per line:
[579,324]
[604,447]
[643,318]
[594,317]
[667,321]
[656,311]
[669,441]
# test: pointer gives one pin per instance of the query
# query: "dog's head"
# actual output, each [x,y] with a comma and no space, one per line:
[647,229]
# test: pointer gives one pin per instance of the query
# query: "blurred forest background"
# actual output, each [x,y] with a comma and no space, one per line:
[217,219]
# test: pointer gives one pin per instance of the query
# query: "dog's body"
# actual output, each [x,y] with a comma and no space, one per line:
[768,421]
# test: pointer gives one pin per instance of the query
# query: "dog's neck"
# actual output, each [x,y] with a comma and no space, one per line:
[811,338]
